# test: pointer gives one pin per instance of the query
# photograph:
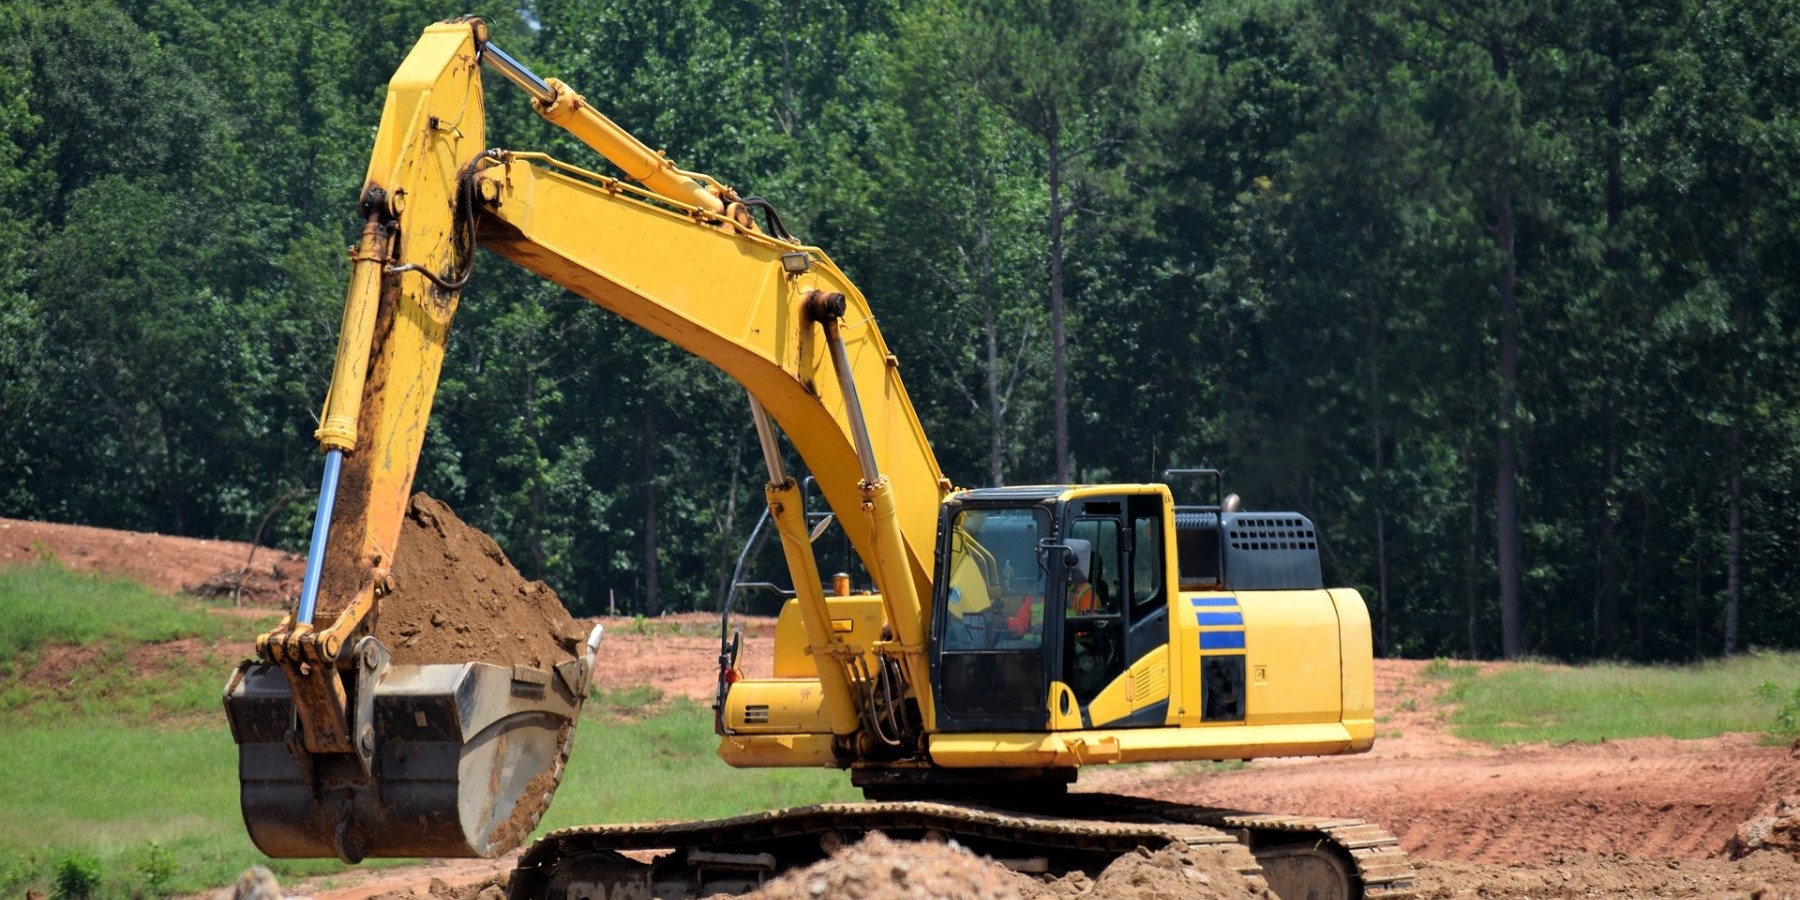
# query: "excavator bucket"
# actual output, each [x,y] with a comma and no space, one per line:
[452,760]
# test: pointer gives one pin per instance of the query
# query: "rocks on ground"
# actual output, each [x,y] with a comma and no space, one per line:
[1778,831]
[493,888]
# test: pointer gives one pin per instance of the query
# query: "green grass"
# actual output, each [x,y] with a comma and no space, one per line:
[673,627]
[42,602]
[136,796]
[133,797]
[1535,702]
[666,766]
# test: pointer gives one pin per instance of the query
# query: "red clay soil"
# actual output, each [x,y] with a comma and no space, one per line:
[162,562]
[1652,797]
[1450,799]
[678,654]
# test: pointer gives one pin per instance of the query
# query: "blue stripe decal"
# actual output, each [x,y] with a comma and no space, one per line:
[1214,601]
[1221,640]
[1220,618]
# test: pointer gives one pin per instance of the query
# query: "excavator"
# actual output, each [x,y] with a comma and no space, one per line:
[1013,636]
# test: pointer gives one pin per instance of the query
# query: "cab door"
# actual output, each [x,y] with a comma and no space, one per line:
[1114,651]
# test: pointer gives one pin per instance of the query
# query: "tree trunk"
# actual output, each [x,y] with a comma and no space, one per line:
[1506,466]
[652,603]
[535,528]
[1734,540]
[1638,574]
[1739,352]
[1372,341]
[1469,558]
[1606,577]
[1059,376]
[723,559]
[996,422]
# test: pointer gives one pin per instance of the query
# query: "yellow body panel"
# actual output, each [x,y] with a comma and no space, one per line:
[1125,745]
[760,751]
[855,620]
[1065,710]
[1292,646]
[1292,649]
[1143,685]
[1357,646]
[776,706]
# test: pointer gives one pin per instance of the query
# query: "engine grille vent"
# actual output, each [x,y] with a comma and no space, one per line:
[1272,533]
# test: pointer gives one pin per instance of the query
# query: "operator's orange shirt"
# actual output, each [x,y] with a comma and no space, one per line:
[1030,612]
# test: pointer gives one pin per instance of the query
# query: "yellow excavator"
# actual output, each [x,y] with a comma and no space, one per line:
[1015,635]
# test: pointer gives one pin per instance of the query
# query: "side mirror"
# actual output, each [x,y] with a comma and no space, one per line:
[1075,556]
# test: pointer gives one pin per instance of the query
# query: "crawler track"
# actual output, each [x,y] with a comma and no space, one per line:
[1326,857]
[1377,867]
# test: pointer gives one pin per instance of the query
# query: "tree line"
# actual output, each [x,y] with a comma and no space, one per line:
[1502,295]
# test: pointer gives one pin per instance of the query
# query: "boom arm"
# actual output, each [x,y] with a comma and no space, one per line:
[682,260]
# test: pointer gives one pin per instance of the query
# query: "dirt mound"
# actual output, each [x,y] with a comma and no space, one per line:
[162,562]
[1173,871]
[457,599]
[882,869]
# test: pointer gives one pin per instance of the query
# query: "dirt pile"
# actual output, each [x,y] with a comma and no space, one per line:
[457,599]
[1173,871]
[882,869]
[161,562]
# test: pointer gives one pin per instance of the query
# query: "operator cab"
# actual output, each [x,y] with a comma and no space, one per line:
[1052,605]
[1045,593]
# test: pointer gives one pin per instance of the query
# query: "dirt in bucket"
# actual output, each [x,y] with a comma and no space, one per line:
[457,599]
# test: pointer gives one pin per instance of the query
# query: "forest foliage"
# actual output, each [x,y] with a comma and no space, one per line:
[1503,295]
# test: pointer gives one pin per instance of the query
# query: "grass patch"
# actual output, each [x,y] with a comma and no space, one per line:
[666,766]
[146,811]
[44,603]
[108,685]
[154,811]
[1535,702]
[120,779]
[76,645]
[670,627]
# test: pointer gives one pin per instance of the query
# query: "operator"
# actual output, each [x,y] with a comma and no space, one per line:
[1028,619]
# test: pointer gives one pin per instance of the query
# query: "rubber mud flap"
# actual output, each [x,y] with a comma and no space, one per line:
[464,759]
